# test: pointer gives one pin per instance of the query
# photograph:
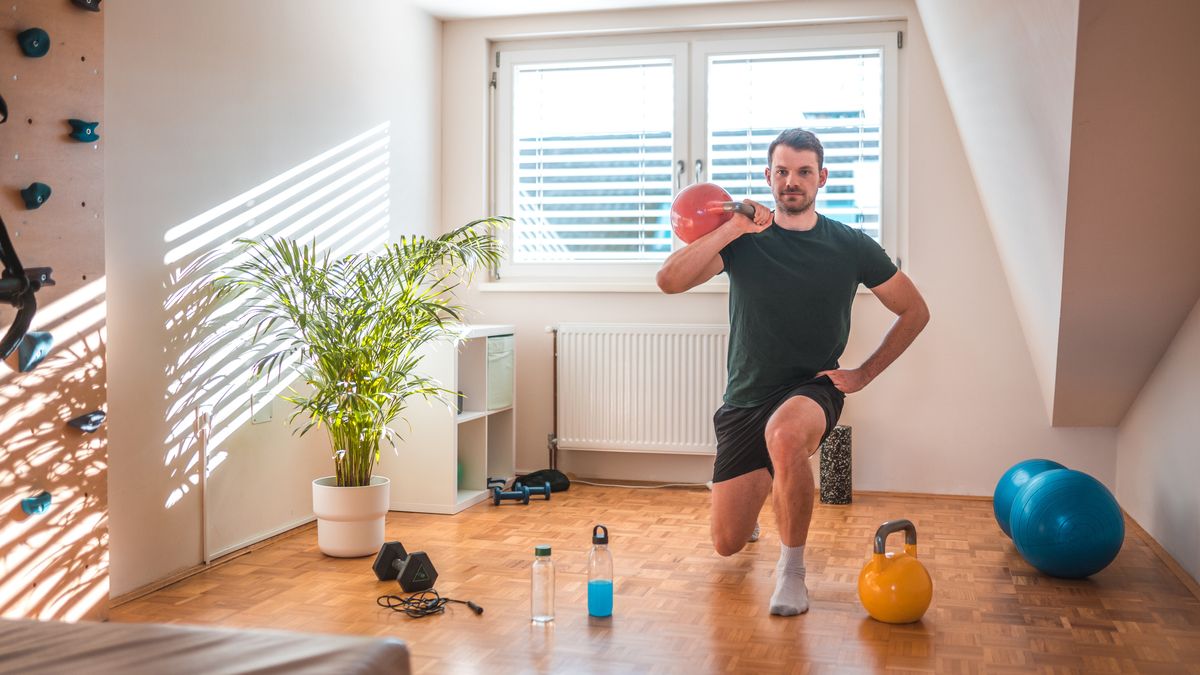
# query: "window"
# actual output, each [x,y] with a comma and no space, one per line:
[593,148]
[593,141]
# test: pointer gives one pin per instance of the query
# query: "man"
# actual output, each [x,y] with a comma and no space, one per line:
[793,275]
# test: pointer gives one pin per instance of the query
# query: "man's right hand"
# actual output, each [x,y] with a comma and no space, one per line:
[763,217]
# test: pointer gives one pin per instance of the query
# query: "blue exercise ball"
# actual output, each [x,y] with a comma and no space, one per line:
[1067,524]
[1011,482]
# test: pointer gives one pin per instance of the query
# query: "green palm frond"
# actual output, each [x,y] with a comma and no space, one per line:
[351,327]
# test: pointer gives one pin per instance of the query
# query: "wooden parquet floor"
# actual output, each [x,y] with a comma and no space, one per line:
[681,608]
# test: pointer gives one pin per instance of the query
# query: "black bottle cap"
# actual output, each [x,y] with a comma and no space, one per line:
[597,537]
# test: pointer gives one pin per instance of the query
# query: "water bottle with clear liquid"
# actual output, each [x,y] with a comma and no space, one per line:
[600,574]
[541,597]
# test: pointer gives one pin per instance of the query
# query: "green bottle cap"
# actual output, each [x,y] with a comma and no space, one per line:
[541,550]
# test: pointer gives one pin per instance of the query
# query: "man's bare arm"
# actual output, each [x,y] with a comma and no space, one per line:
[700,260]
[901,296]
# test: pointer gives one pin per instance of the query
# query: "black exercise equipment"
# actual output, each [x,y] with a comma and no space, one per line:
[558,480]
[543,489]
[414,572]
[519,493]
[421,604]
[17,288]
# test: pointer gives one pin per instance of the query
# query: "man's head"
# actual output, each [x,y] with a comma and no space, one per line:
[796,170]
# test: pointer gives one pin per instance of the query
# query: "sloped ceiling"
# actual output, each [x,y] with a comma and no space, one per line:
[1080,122]
[1131,269]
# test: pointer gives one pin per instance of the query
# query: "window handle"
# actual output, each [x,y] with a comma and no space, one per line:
[679,175]
[699,169]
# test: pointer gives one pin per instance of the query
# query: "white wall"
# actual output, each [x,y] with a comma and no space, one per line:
[206,104]
[1157,458]
[959,408]
[1009,70]
[1115,327]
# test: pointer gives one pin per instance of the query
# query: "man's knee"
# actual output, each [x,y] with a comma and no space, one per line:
[790,443]
[725,539]
[726,545]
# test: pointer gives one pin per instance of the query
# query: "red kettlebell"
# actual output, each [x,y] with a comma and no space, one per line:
[701,208]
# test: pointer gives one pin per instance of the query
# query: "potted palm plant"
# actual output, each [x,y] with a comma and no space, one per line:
[350,329]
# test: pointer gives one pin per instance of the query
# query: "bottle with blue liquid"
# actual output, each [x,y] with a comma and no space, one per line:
[600,574]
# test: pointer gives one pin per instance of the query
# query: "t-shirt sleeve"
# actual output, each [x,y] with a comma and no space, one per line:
[726,256]
[874,264]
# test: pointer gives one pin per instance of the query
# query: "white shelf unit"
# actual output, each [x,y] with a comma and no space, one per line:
[447,455]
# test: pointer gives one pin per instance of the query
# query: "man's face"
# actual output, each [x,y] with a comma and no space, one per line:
[794,179]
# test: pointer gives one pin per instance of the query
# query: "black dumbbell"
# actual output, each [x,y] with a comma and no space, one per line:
[519,492]
[543,489]
[414,572]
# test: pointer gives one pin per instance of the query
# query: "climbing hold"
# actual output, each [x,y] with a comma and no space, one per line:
[36,504]
[88,422]
[84,132]
[35,195]
[34,42]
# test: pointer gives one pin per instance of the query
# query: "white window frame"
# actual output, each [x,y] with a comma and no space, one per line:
[690,52]
[702,50]
[509,60]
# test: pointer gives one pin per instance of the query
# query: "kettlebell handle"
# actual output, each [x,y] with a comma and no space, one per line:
[742,208]
[881,535]
[731,207]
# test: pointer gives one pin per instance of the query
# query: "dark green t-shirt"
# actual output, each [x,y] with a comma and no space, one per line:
[789,303]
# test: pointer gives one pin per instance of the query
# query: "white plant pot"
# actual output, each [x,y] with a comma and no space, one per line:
[350,519]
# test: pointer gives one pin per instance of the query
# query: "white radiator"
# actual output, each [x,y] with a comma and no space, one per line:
[639,387]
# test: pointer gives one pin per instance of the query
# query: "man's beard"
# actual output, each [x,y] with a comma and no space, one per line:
[793,208]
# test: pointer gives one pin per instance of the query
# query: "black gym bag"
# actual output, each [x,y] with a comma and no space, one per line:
[557,479]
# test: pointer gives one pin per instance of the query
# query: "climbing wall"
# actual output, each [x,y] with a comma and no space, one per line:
[53,492]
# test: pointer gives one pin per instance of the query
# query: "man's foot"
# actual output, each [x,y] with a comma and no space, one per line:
[754,535]
[791,595]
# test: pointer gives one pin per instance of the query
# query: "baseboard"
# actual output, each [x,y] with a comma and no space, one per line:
[1172,564]
[633,482]
[269,535]
[216,562]
[922,495]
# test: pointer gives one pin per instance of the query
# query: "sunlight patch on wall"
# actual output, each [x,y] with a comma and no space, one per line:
[339,199]
[54,564]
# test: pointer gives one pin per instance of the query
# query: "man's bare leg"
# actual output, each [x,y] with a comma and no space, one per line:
[793,435]
[735,506]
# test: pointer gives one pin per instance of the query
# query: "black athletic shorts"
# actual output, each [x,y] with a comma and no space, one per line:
[741,432]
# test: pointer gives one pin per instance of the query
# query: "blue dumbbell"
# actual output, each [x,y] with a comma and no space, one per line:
[520,492]
[543,489]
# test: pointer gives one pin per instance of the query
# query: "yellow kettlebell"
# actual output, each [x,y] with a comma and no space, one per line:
[895,587]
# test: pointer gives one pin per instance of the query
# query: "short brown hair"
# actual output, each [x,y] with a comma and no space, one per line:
[798,139]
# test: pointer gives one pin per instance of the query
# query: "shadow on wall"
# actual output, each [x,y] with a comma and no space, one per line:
[55,564]
[340,200]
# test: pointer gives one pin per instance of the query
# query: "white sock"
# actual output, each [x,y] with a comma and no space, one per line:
[791,595]
[754,535]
